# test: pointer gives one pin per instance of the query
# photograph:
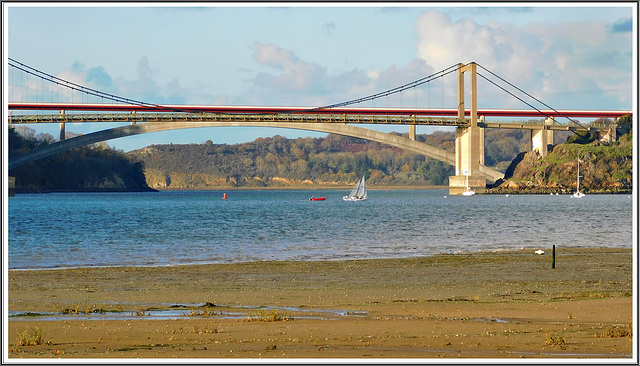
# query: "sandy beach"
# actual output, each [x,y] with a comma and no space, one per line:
[509,304]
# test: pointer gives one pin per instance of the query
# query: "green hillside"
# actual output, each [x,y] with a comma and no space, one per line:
[334,161]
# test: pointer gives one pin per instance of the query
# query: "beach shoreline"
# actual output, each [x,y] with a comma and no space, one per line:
[497,304]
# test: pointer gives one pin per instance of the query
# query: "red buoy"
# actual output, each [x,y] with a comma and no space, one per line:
[224,196]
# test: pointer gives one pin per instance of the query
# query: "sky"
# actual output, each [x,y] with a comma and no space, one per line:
[568,55]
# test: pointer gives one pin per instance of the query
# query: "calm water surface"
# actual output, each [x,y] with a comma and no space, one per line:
[170,228]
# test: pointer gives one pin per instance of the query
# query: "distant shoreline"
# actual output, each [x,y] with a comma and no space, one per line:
[213,189]
[490,191]
[306,188]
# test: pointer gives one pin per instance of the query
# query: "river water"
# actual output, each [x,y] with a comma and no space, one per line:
[170,228]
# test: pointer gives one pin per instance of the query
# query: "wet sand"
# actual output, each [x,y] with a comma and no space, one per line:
[508,304]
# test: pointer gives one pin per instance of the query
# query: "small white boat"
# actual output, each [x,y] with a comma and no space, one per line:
[578,194]
[358,193]
[468,192]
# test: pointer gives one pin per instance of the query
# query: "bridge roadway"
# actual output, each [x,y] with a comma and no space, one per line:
[172,117]
[442,112]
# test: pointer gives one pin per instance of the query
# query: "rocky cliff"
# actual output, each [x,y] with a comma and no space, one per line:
[604,168]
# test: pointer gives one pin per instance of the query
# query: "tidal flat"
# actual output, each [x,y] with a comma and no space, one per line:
[497,304]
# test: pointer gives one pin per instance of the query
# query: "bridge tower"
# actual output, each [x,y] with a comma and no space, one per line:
[469,140]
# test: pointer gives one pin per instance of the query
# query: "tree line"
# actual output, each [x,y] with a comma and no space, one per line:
[90,168]
[334,159]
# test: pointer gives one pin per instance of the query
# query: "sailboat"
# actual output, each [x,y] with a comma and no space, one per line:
[358,193]
[578,194]
[468,192]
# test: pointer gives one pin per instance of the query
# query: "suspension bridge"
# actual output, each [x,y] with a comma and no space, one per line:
[341,118]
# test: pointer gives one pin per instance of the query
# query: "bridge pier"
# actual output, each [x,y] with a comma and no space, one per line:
[469,156]
[469,141]
[412,132]
[63,133]
[611,135]
[542,138]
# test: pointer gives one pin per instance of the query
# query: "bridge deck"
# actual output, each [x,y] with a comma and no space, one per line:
[290,118]
[433,112]
[216,117]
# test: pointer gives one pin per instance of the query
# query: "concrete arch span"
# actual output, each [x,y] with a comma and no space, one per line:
[341,129]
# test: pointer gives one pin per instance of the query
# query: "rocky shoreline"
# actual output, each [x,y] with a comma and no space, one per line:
[604,169]
[512,187]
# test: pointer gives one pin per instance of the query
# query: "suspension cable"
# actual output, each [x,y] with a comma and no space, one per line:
[89,91]
[513,95]
[395,90]
[527,94]
[83,89]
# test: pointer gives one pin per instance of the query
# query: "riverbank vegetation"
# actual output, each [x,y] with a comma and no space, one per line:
[332,161]
[91,168]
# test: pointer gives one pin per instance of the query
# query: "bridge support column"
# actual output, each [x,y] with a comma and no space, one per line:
[412,132]
[549,121]
[611,135]
[469,141]
[63,131]
[542,138]
[469,156]
[481,141]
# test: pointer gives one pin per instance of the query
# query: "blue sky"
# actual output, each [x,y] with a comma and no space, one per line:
[571,56]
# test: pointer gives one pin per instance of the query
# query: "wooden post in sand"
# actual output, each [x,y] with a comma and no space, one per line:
[553,255]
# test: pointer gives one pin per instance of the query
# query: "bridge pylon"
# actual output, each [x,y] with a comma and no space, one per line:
[469,144]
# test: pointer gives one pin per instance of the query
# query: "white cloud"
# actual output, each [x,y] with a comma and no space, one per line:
[295,74]
[312,84]
[540,58]
[144,88]
[373,74]
[443,43]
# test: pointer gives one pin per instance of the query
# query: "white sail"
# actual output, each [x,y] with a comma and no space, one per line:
[362,190]
[354,191]
[359,192]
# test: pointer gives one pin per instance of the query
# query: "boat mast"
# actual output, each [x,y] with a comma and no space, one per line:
[578,178]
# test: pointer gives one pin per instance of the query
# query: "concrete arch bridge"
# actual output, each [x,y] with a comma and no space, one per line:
[335,128]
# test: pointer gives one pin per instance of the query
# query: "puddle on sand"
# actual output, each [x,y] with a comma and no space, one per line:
[486,320]
[186,311]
